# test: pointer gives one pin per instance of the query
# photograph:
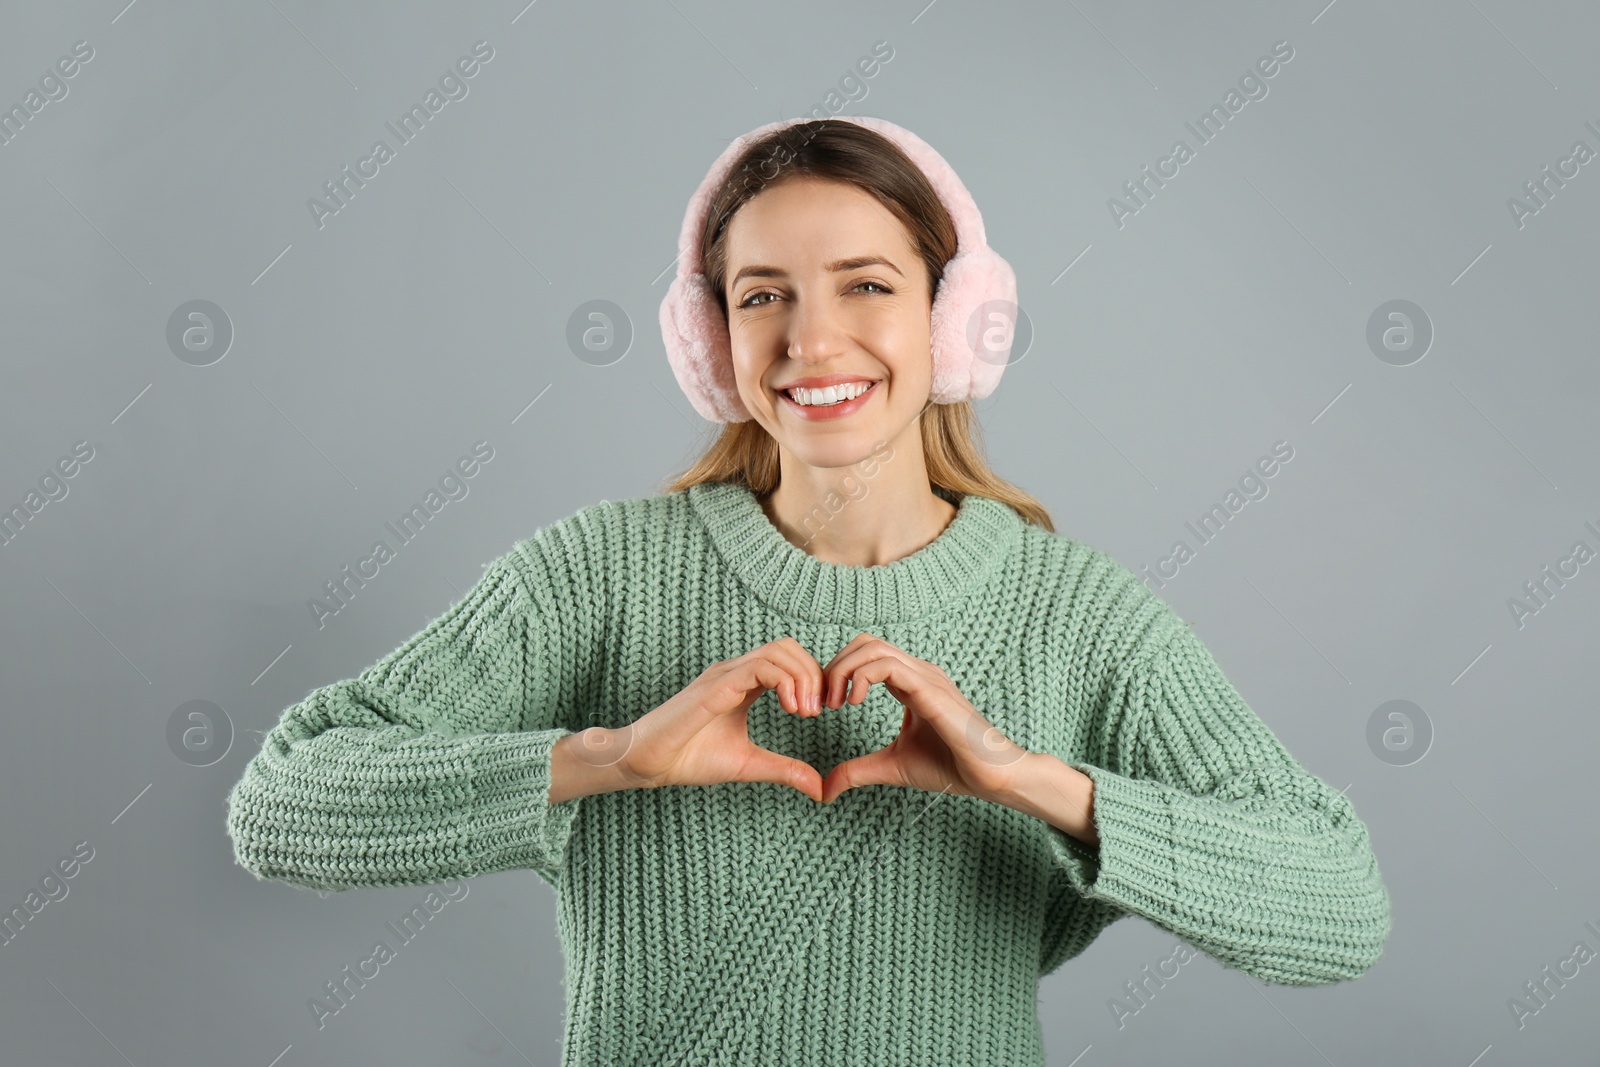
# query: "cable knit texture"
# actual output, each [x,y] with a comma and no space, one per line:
[744,923]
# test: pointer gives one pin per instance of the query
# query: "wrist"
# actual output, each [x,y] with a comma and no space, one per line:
[590,762]
[1045,787]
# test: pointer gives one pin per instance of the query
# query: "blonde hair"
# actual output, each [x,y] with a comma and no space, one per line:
[745,452]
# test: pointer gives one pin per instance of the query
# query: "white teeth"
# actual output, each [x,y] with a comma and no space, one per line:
[833,394]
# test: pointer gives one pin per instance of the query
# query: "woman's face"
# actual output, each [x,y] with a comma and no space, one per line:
[824,283]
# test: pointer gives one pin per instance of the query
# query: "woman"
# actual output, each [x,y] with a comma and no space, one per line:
[983,742]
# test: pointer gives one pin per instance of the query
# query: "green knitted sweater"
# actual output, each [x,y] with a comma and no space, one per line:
[744,923]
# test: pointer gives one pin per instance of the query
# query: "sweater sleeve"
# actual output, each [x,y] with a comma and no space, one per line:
[1215,833]
[432,764]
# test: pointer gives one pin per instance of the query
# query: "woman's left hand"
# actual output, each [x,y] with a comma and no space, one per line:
[944,745]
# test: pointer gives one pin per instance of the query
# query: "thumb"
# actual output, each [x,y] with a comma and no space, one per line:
[764,765]
[875,768]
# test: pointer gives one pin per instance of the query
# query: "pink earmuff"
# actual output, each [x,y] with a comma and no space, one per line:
[968,355]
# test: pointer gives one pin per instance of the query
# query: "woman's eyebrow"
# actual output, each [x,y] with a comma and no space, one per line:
[854,263]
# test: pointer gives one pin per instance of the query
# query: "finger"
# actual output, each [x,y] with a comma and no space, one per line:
[837,672]
[764,765]
[809,672]
[757,673]
[879,662]
[777,673]
[863,675]
[855,642]
[813,677]
[801,667]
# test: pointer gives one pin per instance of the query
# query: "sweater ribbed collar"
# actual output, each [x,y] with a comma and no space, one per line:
[796,583]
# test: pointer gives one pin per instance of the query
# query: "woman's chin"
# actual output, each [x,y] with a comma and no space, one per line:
[831,450]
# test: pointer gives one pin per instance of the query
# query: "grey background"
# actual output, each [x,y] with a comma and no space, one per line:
[369,355]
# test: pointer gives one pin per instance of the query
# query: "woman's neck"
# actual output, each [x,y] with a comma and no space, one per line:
[844,515]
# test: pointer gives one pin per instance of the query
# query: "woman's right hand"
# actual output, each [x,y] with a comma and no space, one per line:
[700,736]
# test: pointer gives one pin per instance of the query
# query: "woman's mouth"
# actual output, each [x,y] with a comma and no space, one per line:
[834,402]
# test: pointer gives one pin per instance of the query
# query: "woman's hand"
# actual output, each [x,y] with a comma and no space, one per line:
[944,745]
[701,737]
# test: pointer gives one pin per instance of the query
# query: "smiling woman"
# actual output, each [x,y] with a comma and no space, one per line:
[818,253]
[838,800]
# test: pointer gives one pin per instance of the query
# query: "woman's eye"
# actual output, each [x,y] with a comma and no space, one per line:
[751,301]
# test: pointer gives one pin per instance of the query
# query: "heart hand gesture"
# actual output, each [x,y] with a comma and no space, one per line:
[944,745]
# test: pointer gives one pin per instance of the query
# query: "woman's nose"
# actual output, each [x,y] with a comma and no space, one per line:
[815,335]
